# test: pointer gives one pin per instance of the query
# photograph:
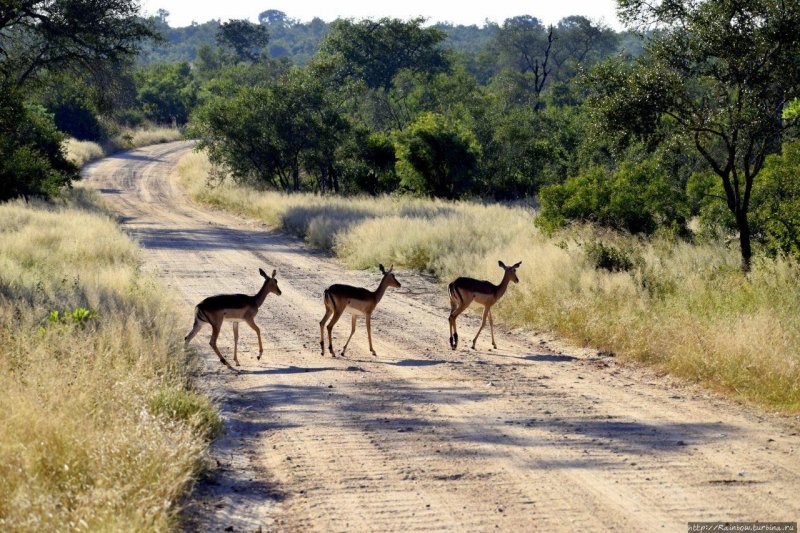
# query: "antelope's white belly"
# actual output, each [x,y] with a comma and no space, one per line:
[354,311]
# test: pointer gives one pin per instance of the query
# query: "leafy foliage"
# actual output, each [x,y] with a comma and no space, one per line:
[719,73]
[606,256]
[167,93]
[376,51]
[54,34]
[32,161]
[437,157]
[636,198]
[244,38]
[268,133]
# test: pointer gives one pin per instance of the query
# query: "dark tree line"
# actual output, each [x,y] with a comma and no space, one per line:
[691,113]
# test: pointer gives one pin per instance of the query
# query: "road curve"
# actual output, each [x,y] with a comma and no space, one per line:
[422,437]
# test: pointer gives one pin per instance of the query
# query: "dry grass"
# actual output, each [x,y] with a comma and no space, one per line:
[99,428]
[130,138]
[84,152]
[684,308]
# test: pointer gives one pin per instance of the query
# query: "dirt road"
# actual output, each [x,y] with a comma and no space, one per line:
[422,437]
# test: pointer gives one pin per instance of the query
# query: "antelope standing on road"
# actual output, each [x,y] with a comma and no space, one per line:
[235,308]
[357,300]
[464,291]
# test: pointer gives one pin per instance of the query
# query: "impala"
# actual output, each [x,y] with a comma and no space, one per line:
[357,300]
[235,308]
[464,291]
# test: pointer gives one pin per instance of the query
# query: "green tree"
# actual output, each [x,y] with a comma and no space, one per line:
[720,73]
[525,45]
[167,92]
[55,34]
[244,38]
[269,133]
[776,202]
[47,37]
[580,43]
[437,157]
[775,211]
[375,51]
[33,161]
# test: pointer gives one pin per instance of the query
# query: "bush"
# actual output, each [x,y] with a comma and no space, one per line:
[32,160]
[187,407]
[637,198]
[437,157]
[609,257]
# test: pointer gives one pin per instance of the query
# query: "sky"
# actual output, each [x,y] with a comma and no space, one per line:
[183,12]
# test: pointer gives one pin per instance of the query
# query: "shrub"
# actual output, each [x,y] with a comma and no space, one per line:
[609,257]
[437,157]
[637,198]
[32,160]
[187,407]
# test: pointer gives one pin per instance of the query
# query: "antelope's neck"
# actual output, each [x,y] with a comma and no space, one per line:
[381,289]
[261,295]
[501,289]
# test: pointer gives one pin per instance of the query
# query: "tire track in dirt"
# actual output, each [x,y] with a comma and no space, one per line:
[421,437]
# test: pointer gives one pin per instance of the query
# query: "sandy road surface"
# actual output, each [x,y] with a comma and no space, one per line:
[421,437]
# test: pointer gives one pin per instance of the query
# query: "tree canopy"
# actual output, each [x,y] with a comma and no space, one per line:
[719,73]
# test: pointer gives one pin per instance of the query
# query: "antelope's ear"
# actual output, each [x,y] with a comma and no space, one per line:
[262,273]
[517,265]
[383,270]
[502,265]
[274,272]
[391,268]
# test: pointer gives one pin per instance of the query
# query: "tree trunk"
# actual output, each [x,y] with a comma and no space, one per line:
[296,176]
[744,240]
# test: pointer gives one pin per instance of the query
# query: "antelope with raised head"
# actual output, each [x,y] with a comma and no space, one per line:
[235,308]
[464,291]
[357,300]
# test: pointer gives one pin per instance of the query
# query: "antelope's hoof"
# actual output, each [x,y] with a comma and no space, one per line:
[494,346]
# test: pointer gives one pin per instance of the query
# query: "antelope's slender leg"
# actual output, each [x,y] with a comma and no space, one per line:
[235,342]
[252,323]
[198,325]
[336,314]
[483,323]
[214,334]
[453,316]
[491,328]
[369,334]
[328,313]
[352,330]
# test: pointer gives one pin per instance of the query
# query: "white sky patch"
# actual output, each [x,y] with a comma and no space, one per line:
[183,12]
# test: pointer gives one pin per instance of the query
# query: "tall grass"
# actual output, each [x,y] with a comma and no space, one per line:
[685,308]
[84,152]
[100,429]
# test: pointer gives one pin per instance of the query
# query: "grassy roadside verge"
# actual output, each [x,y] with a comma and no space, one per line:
[83,152]
[683,308]
[101,430]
